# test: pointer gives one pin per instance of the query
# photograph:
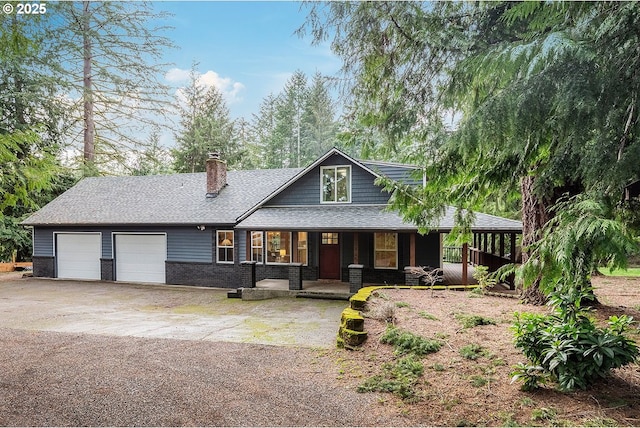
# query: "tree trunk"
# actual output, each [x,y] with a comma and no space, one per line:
[534,217]
[89,123]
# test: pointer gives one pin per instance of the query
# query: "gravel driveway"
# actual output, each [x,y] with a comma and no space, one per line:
[52,374]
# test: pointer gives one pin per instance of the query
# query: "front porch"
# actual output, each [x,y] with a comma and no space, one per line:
[335,289]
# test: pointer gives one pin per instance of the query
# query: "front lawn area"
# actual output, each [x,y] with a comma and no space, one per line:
[632,271]
[466,380]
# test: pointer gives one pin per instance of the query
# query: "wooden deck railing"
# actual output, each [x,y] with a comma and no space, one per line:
[452,254]
[492,261]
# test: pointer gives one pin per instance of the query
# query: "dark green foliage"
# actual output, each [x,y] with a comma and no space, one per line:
[399,378]
[295,126]
[568,348]
[205,127]
[406,342]
[584,233]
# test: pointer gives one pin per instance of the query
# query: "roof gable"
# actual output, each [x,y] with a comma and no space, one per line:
[309,182]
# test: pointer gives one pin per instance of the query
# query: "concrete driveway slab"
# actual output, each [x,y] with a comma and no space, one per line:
[160,311]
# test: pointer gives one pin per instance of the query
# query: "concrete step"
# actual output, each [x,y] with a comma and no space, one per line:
[323,295]
[235,294]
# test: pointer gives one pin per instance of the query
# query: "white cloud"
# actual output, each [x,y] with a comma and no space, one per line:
[177,75]
[230,89]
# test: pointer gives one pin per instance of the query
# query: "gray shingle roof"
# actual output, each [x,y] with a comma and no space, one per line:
[161,199]
[360,217]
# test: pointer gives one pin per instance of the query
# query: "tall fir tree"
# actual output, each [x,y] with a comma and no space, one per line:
[111,55]
[205,127]
[31,122]
[295,126]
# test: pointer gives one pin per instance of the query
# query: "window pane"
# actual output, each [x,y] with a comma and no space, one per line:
[225,238]
[342,184]
[278,247]
[256,239]
[225,246]
[330,238]
[302,247]
[328,185]
[256,255]
[386,250]
[385,259]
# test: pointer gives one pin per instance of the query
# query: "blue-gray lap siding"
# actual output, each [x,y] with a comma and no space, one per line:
[191,253]
[306,189]
[184,244]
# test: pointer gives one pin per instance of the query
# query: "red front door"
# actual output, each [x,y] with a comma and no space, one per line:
[329,256]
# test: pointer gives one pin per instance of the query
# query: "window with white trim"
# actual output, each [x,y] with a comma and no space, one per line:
[335,184]
[278,247]
[302,248]
[257,247]
[385,250]
[225,246]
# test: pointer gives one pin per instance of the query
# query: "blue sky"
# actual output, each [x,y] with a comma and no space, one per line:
[246,49]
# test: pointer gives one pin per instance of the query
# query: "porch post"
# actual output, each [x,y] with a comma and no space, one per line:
[248,274]
[356,248]
[355,277]
[465,270]
[412,249]
[513,248]
[295,276]
[501,244]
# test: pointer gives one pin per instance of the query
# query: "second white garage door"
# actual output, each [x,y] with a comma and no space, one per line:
[140,258]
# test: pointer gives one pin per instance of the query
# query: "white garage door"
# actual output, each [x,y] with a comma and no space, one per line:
[140,258]
[78,255]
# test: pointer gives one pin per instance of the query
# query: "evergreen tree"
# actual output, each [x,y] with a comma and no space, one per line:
[289,112]
[154,159]
[296,126]
[30,125]
[319,127]
[205,127]
[265,146]
[110,53]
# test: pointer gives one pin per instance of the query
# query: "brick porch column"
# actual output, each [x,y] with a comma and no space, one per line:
[410,278]
[355,278]
[248,274]
[295,276]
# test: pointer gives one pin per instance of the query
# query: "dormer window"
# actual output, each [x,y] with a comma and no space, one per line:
[335,185]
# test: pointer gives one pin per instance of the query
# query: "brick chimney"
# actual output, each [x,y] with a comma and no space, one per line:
[216,175]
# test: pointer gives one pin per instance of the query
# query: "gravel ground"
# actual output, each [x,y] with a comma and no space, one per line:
[58,379]
[53,378]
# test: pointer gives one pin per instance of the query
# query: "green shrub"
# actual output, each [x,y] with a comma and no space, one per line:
[427,315]
[472,351]
[484,278]
[470,321]
[397,378]
[402,305]
[478,381]
[406,342]
[566,347]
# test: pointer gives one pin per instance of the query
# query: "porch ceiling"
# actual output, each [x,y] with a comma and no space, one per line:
[359,217]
